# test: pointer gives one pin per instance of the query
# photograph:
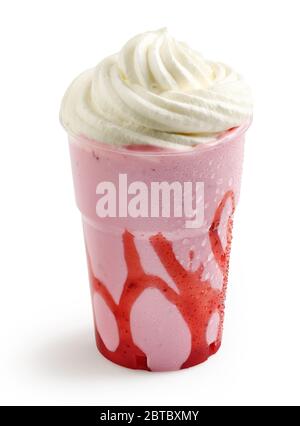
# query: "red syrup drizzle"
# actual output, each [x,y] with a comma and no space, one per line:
[196,300]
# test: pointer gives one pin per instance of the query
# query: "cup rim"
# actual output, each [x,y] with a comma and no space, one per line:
[226,137]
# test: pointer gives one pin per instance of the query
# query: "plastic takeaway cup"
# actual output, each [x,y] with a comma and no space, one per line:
[158,286]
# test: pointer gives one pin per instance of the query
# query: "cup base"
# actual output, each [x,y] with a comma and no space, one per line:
[138,361]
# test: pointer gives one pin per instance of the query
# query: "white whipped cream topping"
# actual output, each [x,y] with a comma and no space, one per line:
[156,91]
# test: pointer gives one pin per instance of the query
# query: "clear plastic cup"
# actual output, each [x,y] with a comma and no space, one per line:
[158,287]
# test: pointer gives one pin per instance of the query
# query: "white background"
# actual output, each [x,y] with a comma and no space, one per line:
[47,353]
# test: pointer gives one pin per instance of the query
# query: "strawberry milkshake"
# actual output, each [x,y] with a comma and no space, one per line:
[156,136]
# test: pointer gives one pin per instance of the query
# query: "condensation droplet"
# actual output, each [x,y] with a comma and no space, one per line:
[204,242]
[185,241]
[220,181]
[230,182]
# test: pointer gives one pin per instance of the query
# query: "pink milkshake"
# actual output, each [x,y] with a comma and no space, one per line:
[157,113]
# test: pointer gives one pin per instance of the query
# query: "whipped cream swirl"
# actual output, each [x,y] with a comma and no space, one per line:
[156,91]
